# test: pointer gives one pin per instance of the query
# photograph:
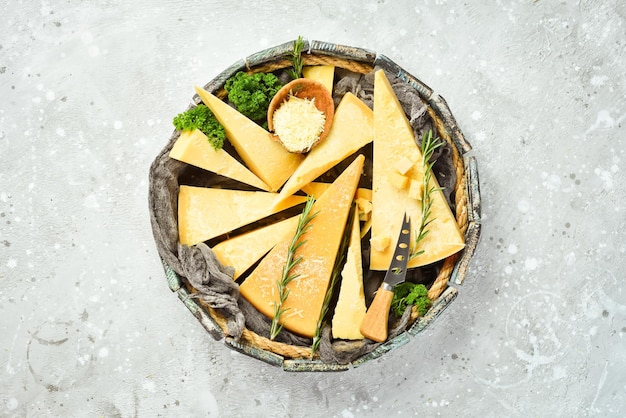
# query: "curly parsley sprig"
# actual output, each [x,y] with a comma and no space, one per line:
[429,145]
[292,261]
[408,293]
[201,117]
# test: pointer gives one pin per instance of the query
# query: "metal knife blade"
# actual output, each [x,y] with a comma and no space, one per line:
[374,325]
[396,273]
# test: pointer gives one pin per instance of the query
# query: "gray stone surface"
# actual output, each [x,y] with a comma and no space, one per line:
[88,326]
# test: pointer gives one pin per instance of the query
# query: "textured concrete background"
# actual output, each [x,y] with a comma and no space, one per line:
[88,326]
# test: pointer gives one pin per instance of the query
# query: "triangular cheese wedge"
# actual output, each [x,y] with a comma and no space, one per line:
[205,213]
[244,250]
[325,74]
[193,147]
[266,158]
[322,241]
[352,129]
[350,308]
[394,143]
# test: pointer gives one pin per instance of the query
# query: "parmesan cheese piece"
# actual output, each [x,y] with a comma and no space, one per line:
[325,74]
[244,250]
[193,147]
[298,123]
[393,140]
[266,158]
[205,213]
[350,308]
[322,241]
[352,128]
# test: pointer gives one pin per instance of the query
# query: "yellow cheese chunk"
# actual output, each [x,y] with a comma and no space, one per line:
[193,147]
[205,213]
[244,250]
[322,241]
[393,140]
[364,207]
[266,158]
[397,180]
[350,308]
[404,165]
[415,189]
[325,74]
[380,242]
[352,128]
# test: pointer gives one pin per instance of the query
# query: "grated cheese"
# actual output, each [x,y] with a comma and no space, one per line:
[298,123]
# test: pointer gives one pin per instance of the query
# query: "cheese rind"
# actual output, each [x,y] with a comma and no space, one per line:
[352,129]
[193,147]
[325,74]
[393,141]
[266,158]
[242,251]
[318,252]
[205,213]
[350,308]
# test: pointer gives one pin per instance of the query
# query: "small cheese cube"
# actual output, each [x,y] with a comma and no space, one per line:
[415,190]
[365,208]
[404,165]
[398,180]
[380,242]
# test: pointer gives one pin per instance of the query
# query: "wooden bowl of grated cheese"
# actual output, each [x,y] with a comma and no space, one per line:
[301,114]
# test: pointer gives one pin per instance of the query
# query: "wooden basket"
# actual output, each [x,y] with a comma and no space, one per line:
[467,202]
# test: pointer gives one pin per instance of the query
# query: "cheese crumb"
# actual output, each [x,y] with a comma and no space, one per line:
[298,124]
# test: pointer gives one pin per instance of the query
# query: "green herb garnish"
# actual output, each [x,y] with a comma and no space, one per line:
[429,145]
[296,58]
[408,293]
[201,117]
[292,261]
[251,94]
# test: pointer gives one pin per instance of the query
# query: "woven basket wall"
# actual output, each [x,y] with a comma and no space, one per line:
[467,207]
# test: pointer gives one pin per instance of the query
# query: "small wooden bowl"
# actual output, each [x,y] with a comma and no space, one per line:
[304,88]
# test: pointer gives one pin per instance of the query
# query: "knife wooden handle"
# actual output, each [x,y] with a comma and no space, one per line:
[374,325]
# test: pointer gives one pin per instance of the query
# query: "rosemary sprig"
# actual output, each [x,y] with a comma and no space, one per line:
[290,263]
[429,145]
[296,58]
[337,268]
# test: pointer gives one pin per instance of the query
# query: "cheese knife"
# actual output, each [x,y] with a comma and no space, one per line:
[374,325]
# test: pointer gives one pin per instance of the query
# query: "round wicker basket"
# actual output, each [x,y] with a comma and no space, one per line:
[443,289]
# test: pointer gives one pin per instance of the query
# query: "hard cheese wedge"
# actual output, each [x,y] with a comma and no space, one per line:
[244,250]
[205,213]
[352,129]
[266,158]
[307,292]
[393,141]
[193,147]
[350,308]
[325,74]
